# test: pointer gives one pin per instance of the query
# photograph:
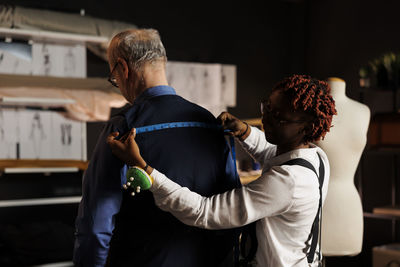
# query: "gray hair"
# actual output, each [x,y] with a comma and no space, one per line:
[138,47]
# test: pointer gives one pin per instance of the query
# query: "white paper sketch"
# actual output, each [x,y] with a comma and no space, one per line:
[15,58]
[212,86]
[11,64]
[49,135]
[35,126]
[69,63]
[196,82]
[67,137]
[228,85]
[46,61]
[59,60]
[8,133]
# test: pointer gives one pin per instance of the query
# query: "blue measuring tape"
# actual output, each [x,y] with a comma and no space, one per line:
[170,125]
[187,124]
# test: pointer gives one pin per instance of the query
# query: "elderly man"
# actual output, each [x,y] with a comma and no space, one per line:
[107,232]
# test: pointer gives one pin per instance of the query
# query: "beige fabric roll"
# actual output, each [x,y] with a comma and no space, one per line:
[38,19]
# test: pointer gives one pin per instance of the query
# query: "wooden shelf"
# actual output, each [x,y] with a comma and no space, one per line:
[57,264]
[39,201]
[51,36]
[383,149]
[387,210]
[248,179]
[35,102]
[381,216]
[34,163]
[93,83]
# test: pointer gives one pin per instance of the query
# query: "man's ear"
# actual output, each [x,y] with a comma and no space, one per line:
[125,68]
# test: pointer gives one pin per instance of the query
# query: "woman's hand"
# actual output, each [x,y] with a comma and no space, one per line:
[126,148]
[237,127]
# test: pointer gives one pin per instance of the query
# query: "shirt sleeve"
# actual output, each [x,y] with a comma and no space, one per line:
[101,201]
[269,195]
[258,147]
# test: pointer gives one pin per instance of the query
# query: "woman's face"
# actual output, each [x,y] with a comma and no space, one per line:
[283,126]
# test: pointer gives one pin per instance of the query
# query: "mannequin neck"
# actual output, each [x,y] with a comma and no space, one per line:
[338,89]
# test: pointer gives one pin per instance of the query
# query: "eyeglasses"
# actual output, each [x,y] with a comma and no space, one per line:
[266,110]
[112,79]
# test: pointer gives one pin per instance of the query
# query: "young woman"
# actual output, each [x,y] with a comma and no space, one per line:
[285,199]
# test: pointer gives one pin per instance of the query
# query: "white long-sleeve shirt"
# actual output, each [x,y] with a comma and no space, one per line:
[284,201]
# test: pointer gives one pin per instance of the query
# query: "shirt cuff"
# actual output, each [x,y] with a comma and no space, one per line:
[158,180]
[252,136]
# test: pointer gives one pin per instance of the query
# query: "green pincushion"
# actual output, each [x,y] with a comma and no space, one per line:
[137,179]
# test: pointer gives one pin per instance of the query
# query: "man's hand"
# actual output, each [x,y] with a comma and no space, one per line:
[126,148]
[237,127]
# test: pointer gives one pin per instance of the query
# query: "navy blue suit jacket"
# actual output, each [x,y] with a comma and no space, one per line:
[132,231]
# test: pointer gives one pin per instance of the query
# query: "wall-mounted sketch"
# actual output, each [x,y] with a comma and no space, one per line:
[46,61]
[69,63]
[228,85]
[67,137]
[43,59]
[8,133]
[59,60]
[48,135]
[15,58]
[2,126]
[35,134]
[212,86]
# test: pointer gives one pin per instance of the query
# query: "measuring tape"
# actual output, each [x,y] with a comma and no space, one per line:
[171,125]
[190,124]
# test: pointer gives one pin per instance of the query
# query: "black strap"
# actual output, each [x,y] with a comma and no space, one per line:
[248,235]
[315,229]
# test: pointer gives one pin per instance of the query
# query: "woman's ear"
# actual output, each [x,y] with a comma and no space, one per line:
[125,68]
[308,129]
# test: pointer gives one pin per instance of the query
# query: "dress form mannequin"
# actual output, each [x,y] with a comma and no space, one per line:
[342,214]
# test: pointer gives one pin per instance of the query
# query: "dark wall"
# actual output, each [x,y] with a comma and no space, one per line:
[344,35]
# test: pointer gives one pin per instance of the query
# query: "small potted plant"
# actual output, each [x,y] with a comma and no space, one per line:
[382,72]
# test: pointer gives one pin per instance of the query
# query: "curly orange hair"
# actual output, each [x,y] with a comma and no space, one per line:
[313,97]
